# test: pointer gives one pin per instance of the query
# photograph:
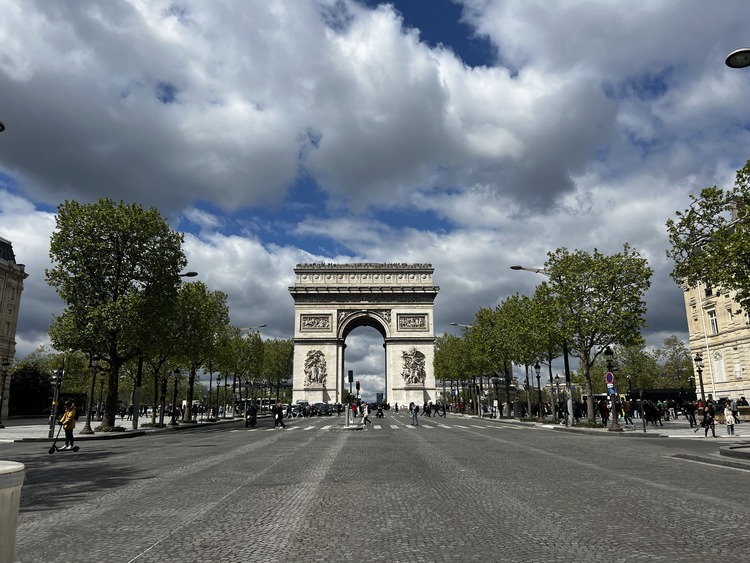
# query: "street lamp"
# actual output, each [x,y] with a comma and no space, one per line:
[557,384]
[699,367]
[188,275]
[94,367]
[739,58]
[5,366]
[2,128]
[538,369]
[566,361]
[176,374]
[614,426]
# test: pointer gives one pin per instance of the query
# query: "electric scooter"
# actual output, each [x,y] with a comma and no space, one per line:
[55,448]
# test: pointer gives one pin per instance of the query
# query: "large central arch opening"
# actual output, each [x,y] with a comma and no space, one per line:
[365,357]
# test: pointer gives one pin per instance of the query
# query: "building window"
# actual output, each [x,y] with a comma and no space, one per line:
[709,291]
[720,375]
[714,322]
[730,316]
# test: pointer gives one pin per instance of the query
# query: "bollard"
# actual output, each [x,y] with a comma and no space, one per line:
[11,480]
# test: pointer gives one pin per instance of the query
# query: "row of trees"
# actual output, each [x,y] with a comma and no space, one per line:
[588,302]
[246,366]
[118,269]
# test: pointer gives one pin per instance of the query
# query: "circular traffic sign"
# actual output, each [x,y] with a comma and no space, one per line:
[610,377]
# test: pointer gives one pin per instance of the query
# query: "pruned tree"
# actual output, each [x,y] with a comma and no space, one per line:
[602,301]
[711,239]
[204,318]
[113,264]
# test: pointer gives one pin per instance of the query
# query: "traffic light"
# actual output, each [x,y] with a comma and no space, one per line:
[351,375]
[57,378]
[357,385]
[163,386]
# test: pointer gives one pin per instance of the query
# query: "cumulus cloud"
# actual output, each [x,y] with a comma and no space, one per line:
[589,130]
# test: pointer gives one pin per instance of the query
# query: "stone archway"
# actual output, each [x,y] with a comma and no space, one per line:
[331,300]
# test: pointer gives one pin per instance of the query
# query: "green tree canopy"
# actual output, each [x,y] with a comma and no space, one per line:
[601,300]
[711,239]
[113,264]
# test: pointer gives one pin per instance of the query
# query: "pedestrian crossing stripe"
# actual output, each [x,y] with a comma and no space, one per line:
[395,426]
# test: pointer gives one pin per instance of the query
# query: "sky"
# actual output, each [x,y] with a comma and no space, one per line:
[468,134]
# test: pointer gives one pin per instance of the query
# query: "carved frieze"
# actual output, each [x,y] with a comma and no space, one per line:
[315,322]
[413,322]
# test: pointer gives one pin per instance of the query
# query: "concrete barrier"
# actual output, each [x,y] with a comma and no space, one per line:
[11,480]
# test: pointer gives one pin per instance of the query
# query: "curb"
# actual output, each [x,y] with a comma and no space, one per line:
[115,435]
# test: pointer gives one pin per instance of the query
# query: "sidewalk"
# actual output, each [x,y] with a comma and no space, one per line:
[37,429]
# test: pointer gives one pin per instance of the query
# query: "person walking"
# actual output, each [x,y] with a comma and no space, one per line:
[278,416]
[415,416]
[729,419]
[708,420]
[68,421]
[366,414]
[604,411]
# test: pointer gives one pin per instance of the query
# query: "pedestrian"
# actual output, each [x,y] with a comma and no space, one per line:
[415,415]
[729,419]
[708,421]
[68,421]
[626,413]
[690,413]
[604,412]
[366,414]
[278,416]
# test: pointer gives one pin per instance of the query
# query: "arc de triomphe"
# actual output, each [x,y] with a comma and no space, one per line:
[331,300]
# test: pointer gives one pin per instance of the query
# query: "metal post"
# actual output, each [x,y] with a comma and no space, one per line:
[174,399]
[99,413]
[614,426]
[568,386]
[5,366]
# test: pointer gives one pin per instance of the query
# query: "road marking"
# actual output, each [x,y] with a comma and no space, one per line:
[309,428]
[464,427]
[427,426]
[327,427]
[376,427]
[708,463]
[396,426]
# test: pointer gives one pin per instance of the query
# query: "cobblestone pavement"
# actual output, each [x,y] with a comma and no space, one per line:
[455,489]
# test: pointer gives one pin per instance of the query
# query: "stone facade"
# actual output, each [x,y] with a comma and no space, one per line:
[331,300]
[720,331]
[11,286]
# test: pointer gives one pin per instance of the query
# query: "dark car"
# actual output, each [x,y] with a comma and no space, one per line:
[324,409]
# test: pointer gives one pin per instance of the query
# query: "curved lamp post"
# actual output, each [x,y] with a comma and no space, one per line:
[739,58]
[566,360]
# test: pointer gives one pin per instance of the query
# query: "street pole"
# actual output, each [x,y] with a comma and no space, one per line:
[99,412]
[56,384]
[174,399]
[538,369]
[614,426]
[5,366]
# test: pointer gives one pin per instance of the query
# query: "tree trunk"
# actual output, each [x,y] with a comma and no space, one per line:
[187,414]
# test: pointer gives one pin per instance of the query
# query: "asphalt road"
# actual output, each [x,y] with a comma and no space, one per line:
[454,489]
